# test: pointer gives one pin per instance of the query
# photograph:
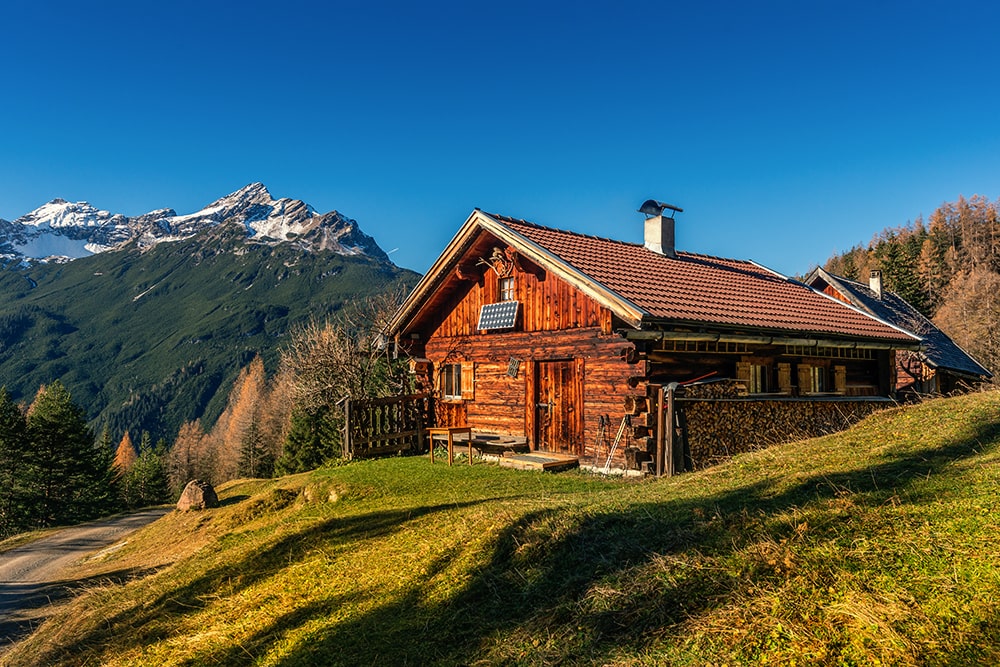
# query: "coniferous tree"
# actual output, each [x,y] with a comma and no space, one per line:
[182,460]
[311,442]
[13,442]
[67,477]
[125,455]
[148,482]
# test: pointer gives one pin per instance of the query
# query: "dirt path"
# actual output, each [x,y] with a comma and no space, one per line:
[32,576]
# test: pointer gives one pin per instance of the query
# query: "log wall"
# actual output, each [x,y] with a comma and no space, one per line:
[504,404]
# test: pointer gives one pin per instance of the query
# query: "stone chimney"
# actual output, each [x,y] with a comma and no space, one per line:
[875,283]
[658,233]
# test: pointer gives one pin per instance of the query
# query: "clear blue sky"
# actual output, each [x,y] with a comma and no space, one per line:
[786,130]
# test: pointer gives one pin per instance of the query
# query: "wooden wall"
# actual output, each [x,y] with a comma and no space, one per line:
[503,404]
[547,304]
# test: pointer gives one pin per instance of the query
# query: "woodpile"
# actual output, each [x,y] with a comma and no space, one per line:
[717,430]
[716,389]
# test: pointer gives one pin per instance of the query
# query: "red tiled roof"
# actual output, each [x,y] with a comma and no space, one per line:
[699,289]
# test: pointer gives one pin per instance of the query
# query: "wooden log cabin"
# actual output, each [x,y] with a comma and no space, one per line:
[940,367]
[533,332]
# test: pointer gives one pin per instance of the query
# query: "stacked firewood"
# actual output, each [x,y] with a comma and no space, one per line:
[717,430]
[715,389]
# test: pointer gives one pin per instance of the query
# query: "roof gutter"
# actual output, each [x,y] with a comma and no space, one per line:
[768,340]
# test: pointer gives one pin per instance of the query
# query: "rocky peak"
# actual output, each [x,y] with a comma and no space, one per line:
[265,219]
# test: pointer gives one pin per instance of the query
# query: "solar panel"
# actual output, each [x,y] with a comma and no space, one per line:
[501,315]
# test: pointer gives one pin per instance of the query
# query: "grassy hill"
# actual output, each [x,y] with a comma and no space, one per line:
[151,339]
[879,545]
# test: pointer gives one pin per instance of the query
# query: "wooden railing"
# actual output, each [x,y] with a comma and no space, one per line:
[378,426]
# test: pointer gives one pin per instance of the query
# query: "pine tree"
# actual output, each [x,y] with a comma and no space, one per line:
[147,479]
[67,477]
[13,442]
[312,441]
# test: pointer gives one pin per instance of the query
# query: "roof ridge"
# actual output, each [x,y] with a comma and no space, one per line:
[687,253]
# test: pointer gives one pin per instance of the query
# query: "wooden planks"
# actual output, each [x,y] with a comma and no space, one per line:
[540,461]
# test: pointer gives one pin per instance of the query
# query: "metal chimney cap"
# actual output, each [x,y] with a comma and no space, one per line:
[652,208]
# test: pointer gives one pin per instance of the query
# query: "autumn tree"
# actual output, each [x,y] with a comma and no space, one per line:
[184,461]
[325,363]
[125,455]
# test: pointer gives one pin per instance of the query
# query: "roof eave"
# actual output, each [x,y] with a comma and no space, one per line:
[724,333]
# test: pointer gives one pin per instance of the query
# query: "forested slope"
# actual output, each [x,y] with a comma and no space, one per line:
[947,266]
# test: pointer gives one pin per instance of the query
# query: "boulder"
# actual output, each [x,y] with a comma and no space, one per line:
[198,495]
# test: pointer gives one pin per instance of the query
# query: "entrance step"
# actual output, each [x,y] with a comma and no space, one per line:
[540,461]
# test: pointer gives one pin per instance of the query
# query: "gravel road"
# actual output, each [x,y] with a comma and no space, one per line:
[32,577]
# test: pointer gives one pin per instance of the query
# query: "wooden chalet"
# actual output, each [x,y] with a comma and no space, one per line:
[568,341]
[939,367]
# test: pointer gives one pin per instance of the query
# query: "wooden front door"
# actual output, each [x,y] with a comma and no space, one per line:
[558,401]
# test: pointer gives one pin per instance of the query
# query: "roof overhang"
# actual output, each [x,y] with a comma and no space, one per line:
[771,339]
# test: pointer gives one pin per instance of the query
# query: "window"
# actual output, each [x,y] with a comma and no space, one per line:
[755,376]
[456,382]
[451,381]
[759,379]
[817,379]
[507,289]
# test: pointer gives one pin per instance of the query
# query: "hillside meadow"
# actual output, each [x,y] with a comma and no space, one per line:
[879,545]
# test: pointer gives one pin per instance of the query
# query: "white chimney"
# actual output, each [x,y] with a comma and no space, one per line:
[658,234]
[875,282]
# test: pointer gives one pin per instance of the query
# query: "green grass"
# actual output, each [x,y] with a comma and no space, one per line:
[879,545]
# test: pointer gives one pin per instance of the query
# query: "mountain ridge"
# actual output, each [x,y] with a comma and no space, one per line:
[61,231]
[150,332]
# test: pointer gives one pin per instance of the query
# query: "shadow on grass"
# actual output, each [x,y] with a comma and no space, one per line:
[536,579]
[542,588]
[23,606]
[233,577]
[232,500]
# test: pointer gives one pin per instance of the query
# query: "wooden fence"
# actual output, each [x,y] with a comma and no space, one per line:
[378,426]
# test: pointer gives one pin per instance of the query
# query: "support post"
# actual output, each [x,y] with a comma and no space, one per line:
[671,428]
[661,431]
[347,429]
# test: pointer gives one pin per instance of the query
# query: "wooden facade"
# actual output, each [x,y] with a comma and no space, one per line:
[568,370]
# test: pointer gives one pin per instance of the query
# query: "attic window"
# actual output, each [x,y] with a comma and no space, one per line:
[506,289]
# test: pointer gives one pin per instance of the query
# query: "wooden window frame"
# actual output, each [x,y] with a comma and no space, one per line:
[760,379]
[755,375]
[456,381]
[506,289]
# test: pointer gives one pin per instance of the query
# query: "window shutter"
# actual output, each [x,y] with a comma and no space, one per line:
[438,381]
[785,378]
[743,372]
[840,379]
[805,379]
[468,380]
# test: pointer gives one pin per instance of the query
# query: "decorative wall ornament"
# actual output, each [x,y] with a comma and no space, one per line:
[502,262]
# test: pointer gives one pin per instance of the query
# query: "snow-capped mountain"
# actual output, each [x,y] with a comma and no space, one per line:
[62,230]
